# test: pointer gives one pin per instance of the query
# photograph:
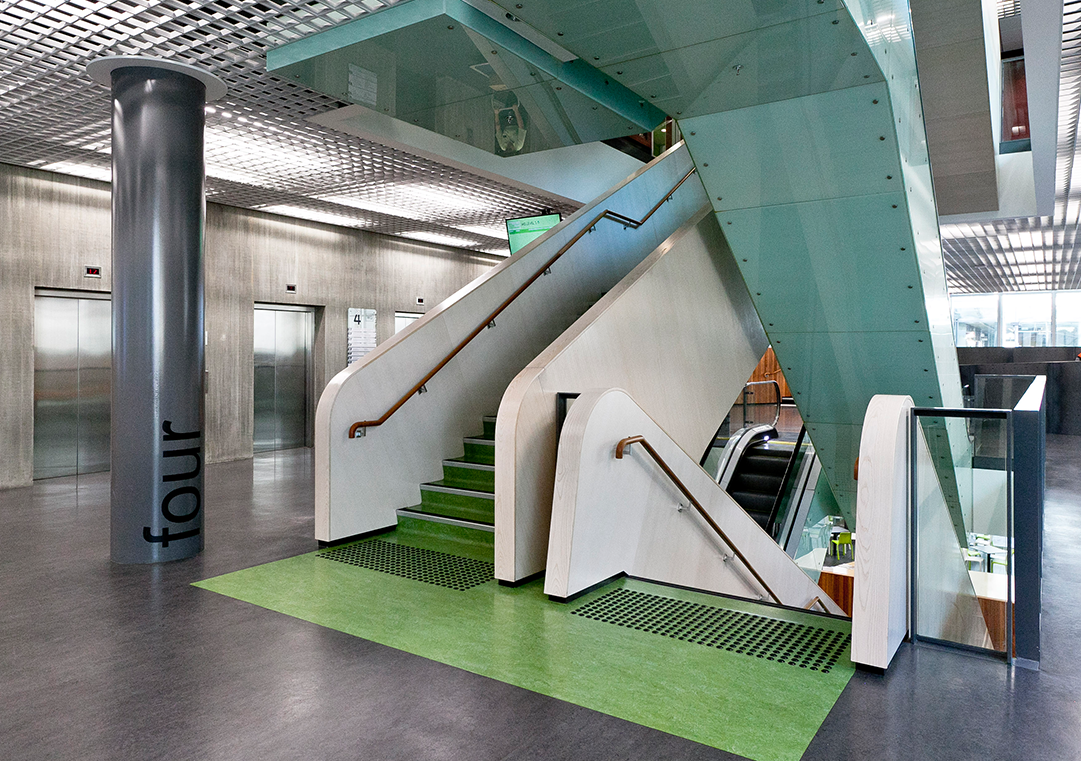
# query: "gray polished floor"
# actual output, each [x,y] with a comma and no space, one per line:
[100,661]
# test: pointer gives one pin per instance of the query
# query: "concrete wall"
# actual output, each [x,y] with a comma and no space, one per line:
[51,226]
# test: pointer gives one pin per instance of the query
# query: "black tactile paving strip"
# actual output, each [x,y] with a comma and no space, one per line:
[415,563]
[793,644]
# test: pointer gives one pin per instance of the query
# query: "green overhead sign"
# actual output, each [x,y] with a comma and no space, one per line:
[522,231]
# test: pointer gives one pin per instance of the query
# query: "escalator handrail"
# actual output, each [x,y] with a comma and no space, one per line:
[624,443]
[784,480]
[743,398]
[776,419]
[622,219]
[745,439]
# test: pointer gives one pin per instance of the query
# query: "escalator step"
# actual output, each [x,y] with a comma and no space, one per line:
[761,483]
[772,447]
[757,463]
[754,503]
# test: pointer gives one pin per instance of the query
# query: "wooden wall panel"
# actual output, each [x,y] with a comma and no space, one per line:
[837,583]
[769,368]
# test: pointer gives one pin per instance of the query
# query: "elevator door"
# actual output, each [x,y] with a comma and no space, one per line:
[72,355]
[283,343]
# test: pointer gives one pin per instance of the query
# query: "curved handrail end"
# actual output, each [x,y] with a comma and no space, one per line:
[624,443]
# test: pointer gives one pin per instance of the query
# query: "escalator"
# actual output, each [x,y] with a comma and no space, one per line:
[757,478]
[770,475]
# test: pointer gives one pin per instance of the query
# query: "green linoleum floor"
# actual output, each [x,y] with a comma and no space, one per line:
[739,703]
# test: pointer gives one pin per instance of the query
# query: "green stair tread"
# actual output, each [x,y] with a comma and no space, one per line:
[443,483]
[443,537]
[468,478]
[481,454]
[461,512]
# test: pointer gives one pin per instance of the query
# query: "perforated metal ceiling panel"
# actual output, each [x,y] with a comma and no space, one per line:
[261,153]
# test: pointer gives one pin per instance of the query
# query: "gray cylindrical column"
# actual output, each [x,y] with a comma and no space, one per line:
[158,360]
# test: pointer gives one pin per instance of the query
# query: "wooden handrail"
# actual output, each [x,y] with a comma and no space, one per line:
[606,214]
[818,600]
[624,443]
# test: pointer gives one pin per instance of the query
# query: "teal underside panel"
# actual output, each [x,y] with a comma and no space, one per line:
[807,148]
[839,448]
[834,375]
[824,504]
[765,65]
[445,66]
[820,181]
[836,251]
[621,30]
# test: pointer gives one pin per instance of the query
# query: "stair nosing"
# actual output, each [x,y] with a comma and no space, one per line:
[458,490]
[469,465]
[483,442]
[488,418]
[462,522]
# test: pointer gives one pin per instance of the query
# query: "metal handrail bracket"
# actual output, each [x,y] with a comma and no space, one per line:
[587,228]
[621,447]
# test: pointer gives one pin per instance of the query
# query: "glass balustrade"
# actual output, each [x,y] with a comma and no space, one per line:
[962,589]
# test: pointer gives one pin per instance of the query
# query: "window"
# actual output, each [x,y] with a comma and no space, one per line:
[975,319]
[1068,318]
[1026,319]
[1014,106]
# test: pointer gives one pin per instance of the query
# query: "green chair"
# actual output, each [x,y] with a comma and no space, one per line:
[843,538]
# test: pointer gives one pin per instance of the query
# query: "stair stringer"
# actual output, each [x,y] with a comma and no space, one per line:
[679,332]
[360,482]
[612,516]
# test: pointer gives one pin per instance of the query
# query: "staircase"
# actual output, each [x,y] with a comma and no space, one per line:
[461,505]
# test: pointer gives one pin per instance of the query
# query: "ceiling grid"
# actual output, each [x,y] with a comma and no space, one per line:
[261,153]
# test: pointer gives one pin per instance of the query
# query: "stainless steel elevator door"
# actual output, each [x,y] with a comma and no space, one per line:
[72,356]
[283,345]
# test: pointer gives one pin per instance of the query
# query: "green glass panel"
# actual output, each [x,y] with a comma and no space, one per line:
[444,66]
[833,265]
[802,149]
[764,65]
[834,375]
[619,30]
